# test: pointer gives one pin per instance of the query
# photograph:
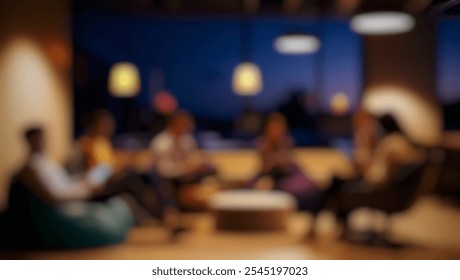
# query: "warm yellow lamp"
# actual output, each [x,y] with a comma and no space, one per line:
[124,80]
[340,104]
[247,79]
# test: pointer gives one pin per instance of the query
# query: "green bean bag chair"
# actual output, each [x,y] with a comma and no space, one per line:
[29,223]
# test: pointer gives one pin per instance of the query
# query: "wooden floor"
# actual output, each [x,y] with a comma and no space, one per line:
[204,242]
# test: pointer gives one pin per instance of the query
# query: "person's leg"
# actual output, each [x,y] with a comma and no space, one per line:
[196,176]
[139,213]
[333,198]
[363,196]
[165,189]
[132,184]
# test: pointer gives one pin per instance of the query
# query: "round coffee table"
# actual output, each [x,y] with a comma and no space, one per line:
[252,210]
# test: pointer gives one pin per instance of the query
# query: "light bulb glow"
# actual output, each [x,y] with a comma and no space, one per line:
[340,103]
[297,44]
[124,80]
[247,79]
[382,23]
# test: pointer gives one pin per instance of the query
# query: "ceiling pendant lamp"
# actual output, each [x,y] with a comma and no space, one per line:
[382,23]
[247,79]
[297,43]
[124,80]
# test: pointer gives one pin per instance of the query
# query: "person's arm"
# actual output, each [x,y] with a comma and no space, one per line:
[86,149]
[264,154]
[388,156]
[378,171]
[50,195]
[100,151]
[169,167]
[285,156]
[195,159]
[282,157]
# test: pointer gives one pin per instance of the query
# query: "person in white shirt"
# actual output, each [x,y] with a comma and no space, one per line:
[56,185]
[177,156]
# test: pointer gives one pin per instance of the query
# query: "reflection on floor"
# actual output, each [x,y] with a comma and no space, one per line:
[203,242]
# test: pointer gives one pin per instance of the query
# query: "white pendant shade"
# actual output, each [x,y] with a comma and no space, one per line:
[382,23]
[247,79]
[297,44]
[124,80]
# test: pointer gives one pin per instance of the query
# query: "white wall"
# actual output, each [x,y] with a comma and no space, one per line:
[34,83]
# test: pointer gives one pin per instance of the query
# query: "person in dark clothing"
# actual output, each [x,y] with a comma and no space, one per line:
[394,171]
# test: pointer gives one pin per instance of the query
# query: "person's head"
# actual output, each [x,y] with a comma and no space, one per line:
[276,126]
[100,123]
[181,122]
[34,137]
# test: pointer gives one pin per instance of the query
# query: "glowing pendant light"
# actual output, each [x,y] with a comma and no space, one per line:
[247,79]
[124,80]
[382,23]
[340,104]
[297,43]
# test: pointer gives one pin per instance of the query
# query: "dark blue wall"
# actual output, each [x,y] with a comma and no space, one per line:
[198,57]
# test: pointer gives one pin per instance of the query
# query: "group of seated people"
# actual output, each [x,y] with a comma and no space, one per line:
[49,208]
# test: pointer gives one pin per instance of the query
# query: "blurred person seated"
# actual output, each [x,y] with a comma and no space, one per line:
[393,169]
[178,159]
[280,168]
[49,209]
[364,139]
[149,189]
[96,142]
[393,150]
